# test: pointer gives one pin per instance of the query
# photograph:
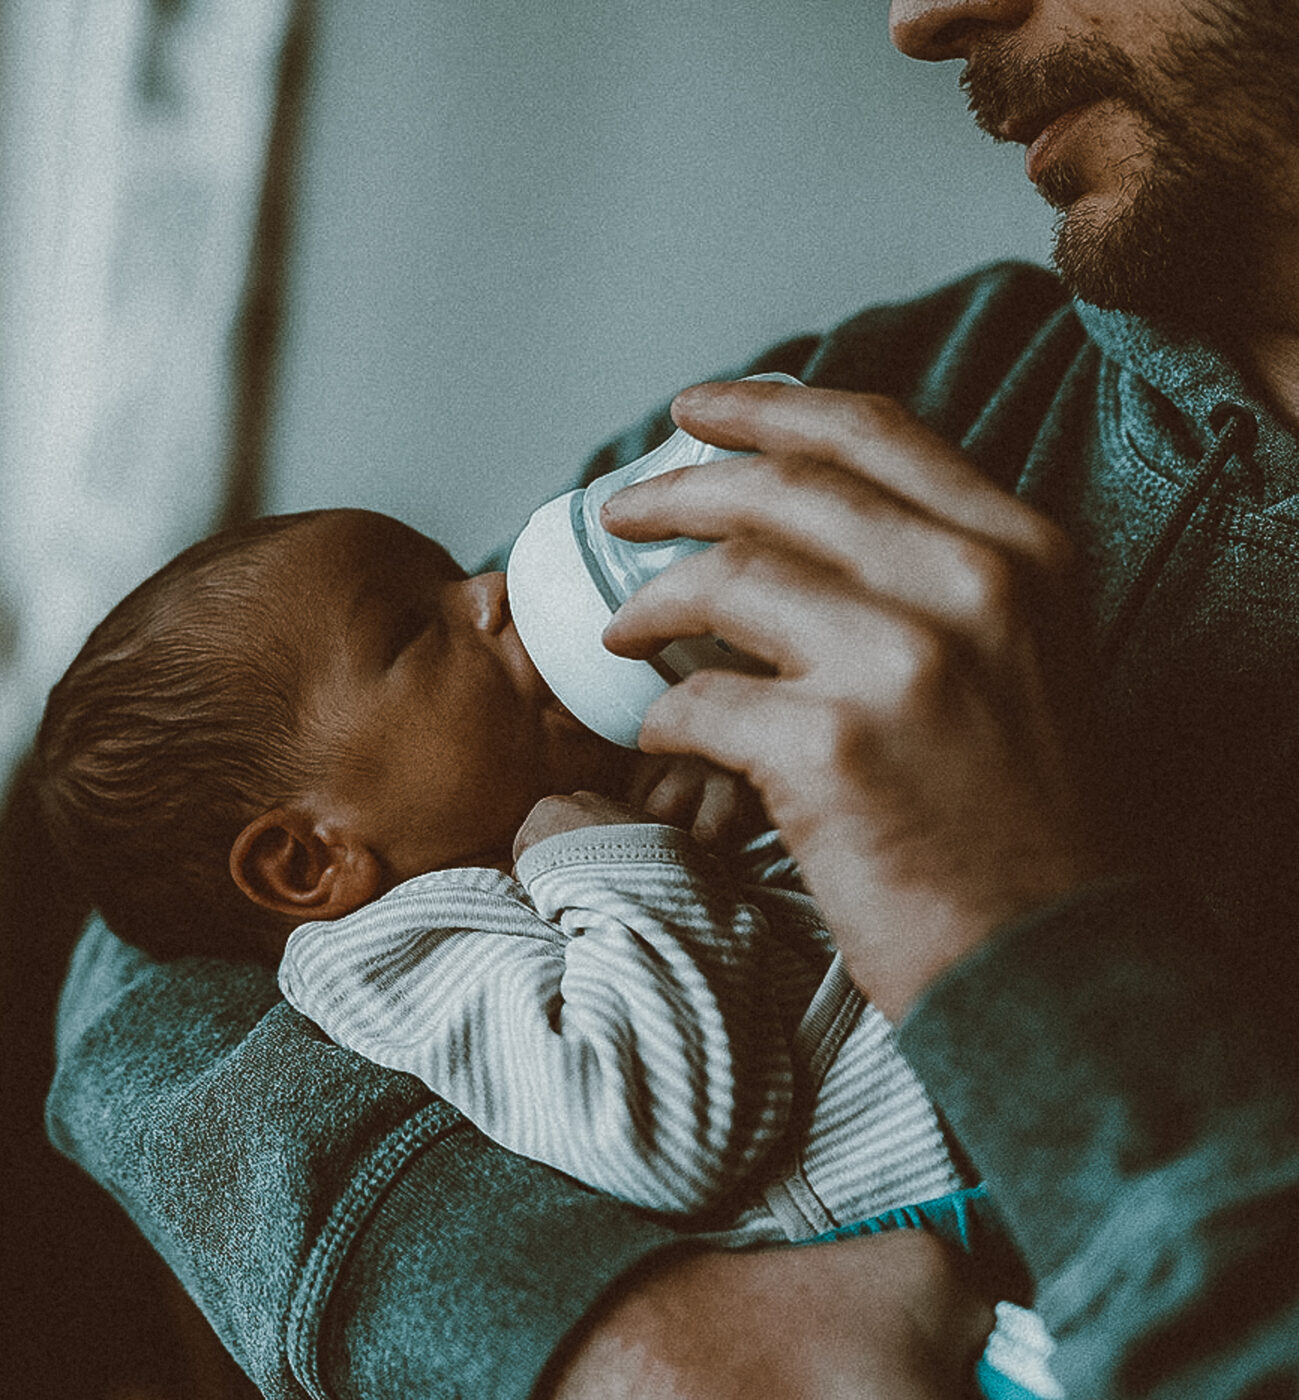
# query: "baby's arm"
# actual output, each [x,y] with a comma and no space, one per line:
[624,1031]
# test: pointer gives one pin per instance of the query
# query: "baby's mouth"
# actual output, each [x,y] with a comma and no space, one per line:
[561,711]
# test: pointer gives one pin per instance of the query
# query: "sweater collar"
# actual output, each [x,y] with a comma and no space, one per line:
[1198,381]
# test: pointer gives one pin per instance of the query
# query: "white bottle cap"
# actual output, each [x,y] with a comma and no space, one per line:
[560,614]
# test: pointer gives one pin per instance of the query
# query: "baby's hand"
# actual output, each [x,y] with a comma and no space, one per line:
[718,808]
[555,814]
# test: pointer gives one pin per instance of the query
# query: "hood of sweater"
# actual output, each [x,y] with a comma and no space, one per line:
[1200,383]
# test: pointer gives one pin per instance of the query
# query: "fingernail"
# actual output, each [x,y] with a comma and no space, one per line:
[609,637]
[696,399]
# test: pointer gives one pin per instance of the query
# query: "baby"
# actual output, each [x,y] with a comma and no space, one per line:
[294,716]
[317,741]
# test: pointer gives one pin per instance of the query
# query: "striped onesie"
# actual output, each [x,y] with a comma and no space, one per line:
[626,1011]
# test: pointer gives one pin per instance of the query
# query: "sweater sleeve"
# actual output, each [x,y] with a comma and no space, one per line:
[1138,1123]
[621,1029]
[345,1234]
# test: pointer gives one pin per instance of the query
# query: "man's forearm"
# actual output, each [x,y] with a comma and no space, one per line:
[326,1214]
[1136,1120]
[892,1317]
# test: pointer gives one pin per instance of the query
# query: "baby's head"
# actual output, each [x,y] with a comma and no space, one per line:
[290,718]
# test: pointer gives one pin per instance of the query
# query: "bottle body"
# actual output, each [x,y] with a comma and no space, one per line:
[624,565]
[567,576]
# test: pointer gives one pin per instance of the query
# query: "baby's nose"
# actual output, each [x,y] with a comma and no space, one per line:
[491,601]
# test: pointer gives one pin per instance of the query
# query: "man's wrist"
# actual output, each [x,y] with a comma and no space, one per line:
[891,1317]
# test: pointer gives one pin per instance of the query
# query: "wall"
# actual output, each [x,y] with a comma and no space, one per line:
[521,225]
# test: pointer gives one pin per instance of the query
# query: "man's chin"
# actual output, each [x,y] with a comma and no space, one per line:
[1183,300]
[1165,253]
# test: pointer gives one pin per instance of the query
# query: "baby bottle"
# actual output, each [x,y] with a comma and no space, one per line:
[567,576]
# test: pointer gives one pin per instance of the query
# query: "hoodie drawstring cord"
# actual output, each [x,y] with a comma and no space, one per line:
[1235,430]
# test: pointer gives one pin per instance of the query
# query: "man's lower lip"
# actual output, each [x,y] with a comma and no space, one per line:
[1042,150]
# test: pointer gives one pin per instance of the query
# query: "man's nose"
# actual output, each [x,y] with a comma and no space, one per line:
[937,29]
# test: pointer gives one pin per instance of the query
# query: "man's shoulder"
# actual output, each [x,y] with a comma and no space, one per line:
[1006,334]
[1008,294]
[989,318]
[945,353]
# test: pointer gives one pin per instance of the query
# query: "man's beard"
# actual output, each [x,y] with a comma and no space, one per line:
[1188,244]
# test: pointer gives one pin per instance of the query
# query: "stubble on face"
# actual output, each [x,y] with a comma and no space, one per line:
[1202,206]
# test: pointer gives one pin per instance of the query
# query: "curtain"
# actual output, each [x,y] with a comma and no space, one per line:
[142,155]
[134,138]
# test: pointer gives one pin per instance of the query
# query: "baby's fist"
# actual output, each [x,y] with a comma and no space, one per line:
[555,814]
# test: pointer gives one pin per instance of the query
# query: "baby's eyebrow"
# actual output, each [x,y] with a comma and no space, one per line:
[409,623]
[369,593]
[372,598]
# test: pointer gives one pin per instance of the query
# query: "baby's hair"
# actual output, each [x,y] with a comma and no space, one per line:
[177,724]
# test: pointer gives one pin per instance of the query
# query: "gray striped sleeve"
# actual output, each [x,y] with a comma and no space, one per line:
[620,1026]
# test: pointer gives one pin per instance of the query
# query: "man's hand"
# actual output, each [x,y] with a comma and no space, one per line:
[889,1317]
[907,745]
[719,809]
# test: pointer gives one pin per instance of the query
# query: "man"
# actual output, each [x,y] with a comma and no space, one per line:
[1116,1075]
[1168,137]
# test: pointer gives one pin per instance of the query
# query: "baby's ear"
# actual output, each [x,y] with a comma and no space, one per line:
[289,861]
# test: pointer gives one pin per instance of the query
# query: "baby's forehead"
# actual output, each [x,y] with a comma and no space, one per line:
[340,553]
[371,534]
